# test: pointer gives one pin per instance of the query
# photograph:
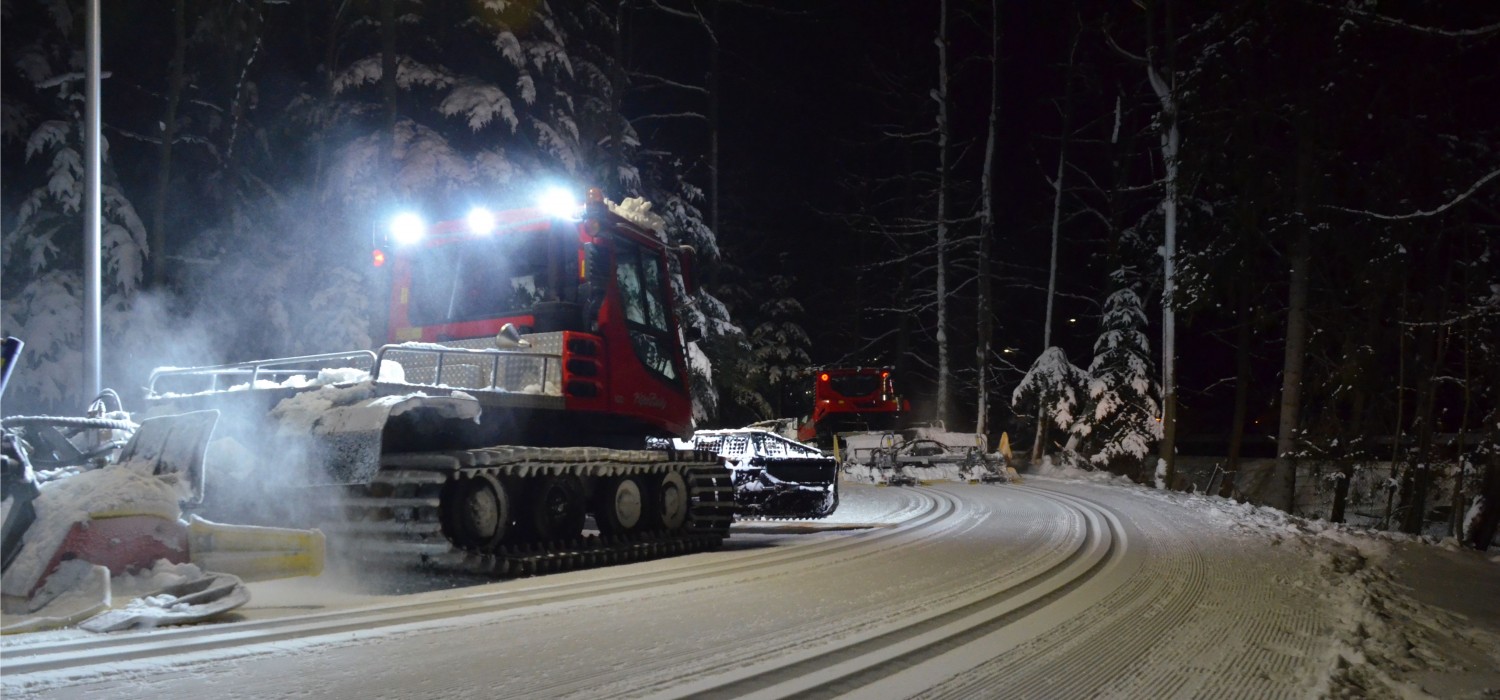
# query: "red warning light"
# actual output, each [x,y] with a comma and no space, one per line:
[823,377]
[379,258]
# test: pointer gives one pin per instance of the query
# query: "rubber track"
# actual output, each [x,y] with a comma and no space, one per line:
[403,526]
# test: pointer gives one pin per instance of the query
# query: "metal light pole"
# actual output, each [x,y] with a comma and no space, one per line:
[91,213]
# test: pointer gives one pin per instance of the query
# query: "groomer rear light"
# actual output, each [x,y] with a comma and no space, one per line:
[379,257]
[823,377]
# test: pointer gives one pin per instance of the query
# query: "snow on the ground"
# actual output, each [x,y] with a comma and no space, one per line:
[1418,617]
[1399,640]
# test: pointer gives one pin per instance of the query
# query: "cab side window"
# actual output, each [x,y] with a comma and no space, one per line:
[642,281]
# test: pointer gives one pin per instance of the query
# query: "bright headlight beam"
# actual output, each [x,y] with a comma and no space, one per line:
[407,228]
[559,202]
[481,221]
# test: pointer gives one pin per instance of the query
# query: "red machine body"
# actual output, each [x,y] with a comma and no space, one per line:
[522,342]
[852,398]
[622,357]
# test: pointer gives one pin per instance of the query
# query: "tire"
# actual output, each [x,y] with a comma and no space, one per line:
[557,508]
[476,513]
[671,501]
[622,506]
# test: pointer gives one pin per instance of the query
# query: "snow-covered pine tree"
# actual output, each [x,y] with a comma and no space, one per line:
[1121,417]
[43,150]
[1053,389]
[779,342]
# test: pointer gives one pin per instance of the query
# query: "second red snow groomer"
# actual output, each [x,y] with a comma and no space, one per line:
[852,398]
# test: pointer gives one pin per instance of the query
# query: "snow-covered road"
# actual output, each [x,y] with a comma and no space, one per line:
[1047,589]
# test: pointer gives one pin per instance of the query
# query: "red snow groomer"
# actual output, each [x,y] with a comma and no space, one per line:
[533,353]
[852,398]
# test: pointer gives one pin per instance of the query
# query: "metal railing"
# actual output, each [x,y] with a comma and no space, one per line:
[221,377]
[482,370]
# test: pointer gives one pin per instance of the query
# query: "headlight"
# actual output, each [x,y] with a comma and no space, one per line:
[559,202]
[480,221]
[407,228]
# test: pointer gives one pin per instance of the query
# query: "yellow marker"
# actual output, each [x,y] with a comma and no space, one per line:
[256,553]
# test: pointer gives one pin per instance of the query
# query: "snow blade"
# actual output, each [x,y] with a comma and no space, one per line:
[77,591]
[177,604]
[172,445]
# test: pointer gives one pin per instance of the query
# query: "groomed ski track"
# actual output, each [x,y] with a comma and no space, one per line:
[1045,589]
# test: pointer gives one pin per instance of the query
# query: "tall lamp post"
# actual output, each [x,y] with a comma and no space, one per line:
[91,213]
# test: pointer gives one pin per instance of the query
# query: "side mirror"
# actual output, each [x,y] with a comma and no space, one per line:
[688,258]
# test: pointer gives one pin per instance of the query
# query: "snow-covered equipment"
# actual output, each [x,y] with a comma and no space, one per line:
[922,454]
[852,399]
[532,355]
[774,476]
[89,498]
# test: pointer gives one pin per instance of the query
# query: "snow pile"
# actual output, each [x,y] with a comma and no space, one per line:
[357,408]
[67,501]
[637,211]
[164,574]
[324,377]
[1068,472]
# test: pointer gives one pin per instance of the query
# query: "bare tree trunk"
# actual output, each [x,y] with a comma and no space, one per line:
[1456,524]
[1164,84]
[237,107]
[618,81]
[1038,445]
[987,232]
[1430,356]
[942,216]
[1241,394]
[1356,376]
[1296,339]
[1488,520]
[175,84]
[1346,465]
[1400,407]
[388,73]
[713,120]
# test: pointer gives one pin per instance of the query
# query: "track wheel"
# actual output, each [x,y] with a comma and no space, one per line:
[621,507]
[476,513]
[830,503]
[671,500]
[557,508]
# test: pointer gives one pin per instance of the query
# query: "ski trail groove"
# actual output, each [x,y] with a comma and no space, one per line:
[860,660]
[22,659]
[1180,627]
[591,683]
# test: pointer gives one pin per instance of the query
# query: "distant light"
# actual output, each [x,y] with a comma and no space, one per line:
[481,221]
[407,228]
[379,257]
[1072,320]
[559,202]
